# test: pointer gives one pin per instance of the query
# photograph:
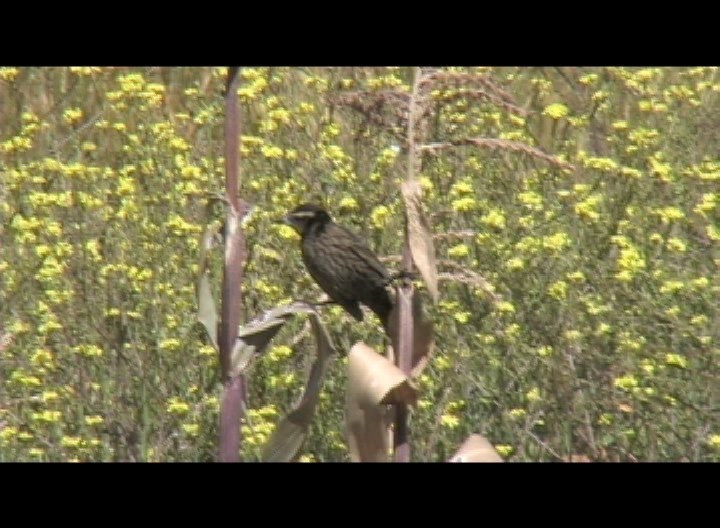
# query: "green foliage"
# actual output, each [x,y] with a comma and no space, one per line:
[602,339]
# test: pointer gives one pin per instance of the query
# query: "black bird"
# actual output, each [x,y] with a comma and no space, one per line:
[341,263]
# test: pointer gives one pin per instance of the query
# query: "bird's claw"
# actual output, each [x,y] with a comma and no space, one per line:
[401,275]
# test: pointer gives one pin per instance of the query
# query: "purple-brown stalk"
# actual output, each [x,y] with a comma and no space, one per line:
[233,400]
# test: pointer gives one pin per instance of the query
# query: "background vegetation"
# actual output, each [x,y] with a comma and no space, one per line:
[601,339]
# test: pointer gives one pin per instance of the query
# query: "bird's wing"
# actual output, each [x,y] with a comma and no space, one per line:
[360,249]
[368,257]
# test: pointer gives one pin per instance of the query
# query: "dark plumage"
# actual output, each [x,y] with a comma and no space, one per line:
[341,263]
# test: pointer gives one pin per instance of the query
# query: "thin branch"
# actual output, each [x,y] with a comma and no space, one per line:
[544,445]
[499,144]
[482,94]
[459,79]
[463,233]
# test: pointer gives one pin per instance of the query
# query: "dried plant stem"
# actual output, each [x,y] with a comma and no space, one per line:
[401,439]
[499,144]
[233,400]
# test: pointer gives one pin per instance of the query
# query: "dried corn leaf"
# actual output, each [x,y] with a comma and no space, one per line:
[420,236]
[254,337]
[476,449]
[373,382]
[207,312]
[287,438]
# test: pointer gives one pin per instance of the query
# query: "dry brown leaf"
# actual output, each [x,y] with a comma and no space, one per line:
[287,438]
[423,347]
[254,337]
[420,236]
[476,449]
[624,407]
[577,459]
[373,381]
[285,442]
[368,434]
[207,312]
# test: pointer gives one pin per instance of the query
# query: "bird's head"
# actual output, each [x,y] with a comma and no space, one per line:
[303,217]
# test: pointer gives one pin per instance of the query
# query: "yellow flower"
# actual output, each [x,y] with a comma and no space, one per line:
[605,419]
[280,352]
[533,395]
[388,156]
[8,74]
[464,205]
[70,441]
[545,351]
[504,450]
[620,125]
[626,383]
[450,421]
[462,188]
[462,317]
[556,110]
[558,290]
[47,416]
[72,115]
[629,263]
[700,283]
[671,286]
[494,218]
[441,362]
[556,242]
[714,441]
[588,79]
[572,335]
[169,344]
[176,406]
[505,307]
[576,276]
[191,429]
[286,232]
[272,152]
[459,251]
[531,199]
[349,203]
[379,217]
[94,419]
[131,83]
[586,209]
[49,396]
[515,263]
[675,360]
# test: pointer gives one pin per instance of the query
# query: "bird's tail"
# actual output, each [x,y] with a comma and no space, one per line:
[383,308]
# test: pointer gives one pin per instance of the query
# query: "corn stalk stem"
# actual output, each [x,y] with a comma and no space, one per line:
[401,438]
[233,400]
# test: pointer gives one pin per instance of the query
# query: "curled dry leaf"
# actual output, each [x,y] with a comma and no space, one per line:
[476,449]
[420,236]
[286,440]
[373,381]
[207,312]
[254,337]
